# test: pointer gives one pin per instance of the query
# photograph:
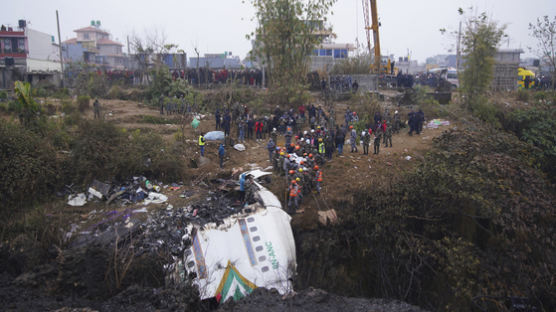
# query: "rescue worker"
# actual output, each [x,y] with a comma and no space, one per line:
[288,136]
[397,123]
[378,136]
[286,165]
[322,147]
[353,139]
[293,201]
[96,108]
[202,143]
[388,136]
[274,135]
[271,147]
[366,141]
[318,178]
[221,154]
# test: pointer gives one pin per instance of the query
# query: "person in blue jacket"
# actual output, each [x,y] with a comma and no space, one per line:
[221,154]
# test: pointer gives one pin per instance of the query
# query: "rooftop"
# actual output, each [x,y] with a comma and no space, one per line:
[91,29]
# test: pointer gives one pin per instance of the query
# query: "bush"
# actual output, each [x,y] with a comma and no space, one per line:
[474,220]
[3,95]
[487,112]
[83,102]
[102,151]
[28,165]
[116,93]
[522,95]
[68,107]
[536,126]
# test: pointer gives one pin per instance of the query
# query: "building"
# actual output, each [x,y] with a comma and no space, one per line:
[505,69]
[13,55]
[93,45]
[216,61]
[28,55]
[327,52]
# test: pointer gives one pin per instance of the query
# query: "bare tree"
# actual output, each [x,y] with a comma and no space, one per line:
[150,49]
[544,30]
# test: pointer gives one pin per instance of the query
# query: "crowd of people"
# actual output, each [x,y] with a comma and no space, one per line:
[311,137]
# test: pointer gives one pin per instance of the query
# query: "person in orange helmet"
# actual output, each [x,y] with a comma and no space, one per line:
[318,178]
[293,200]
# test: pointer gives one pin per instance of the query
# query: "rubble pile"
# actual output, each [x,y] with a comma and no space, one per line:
[313,300]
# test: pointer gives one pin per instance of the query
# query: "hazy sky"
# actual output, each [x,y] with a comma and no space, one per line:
[215,26]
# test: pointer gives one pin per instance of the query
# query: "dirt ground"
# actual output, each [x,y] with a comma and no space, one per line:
[342,174]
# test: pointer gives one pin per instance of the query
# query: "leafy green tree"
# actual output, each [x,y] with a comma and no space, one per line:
[544,30]
[480,40]
[27,108]
[284,39]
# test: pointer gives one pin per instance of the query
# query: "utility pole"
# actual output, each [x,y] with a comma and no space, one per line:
[60,47]
[198,75]
[128,50]
[458,49]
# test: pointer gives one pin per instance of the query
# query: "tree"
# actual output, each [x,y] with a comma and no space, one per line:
[150,50]
[284,39]
[480,41]
[545,32]
[28,109]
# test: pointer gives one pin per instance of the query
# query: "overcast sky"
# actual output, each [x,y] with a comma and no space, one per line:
[215,26]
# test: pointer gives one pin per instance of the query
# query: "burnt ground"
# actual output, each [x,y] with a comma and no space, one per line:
[77,278]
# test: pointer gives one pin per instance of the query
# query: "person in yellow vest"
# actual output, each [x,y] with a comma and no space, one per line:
[202,143]
[322,148]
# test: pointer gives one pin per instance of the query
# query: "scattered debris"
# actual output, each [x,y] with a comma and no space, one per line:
[408,157]
[240,147]
[435,123]
[77,200]
[155,198]
[328,217]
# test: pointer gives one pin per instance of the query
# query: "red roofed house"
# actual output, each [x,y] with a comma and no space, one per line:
[94,46]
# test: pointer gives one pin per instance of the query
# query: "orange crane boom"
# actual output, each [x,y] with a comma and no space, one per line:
[371,4]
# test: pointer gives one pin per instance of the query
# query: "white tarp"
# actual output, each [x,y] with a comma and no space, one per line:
[214,136]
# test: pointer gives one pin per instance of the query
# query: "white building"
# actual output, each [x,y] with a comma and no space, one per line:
[44,53]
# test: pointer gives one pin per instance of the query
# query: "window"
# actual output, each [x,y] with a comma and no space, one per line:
[340,53]
[21,45]
[86,35]
[8,45]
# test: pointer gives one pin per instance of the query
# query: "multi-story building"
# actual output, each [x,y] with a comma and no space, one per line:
[93,45]
[13,55]
[28,55]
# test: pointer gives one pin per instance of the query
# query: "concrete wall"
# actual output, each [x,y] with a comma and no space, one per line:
[41,46]
[366,82]
[108,49]
[42,65]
